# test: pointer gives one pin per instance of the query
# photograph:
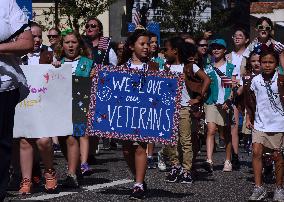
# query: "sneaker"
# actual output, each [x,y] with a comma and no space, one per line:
[258,194]
[86,170]
[161,163]
[222,144]
[50,180]
[56,148]
[186,178]
[208,166]
[227,166]
[71,181]
[278,194]
[173,174]
[25,187]
[151,163]
[138,193]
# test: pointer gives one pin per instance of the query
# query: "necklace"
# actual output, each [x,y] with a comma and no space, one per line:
[272,96]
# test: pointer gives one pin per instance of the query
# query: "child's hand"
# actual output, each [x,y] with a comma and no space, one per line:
[93,73]
[193,101]
[225,106]
[56,64]
[249,124]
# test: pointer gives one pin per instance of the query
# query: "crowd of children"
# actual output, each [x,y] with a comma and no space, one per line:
[218,86]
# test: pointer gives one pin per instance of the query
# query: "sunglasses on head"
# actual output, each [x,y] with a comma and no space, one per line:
[52,36]
[264,28]
[91,25]
[203,45]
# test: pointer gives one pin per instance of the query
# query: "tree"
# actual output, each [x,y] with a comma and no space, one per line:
[181,15]
[75,10]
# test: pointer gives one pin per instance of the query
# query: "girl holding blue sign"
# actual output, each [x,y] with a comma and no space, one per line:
[73,51]
[136,56]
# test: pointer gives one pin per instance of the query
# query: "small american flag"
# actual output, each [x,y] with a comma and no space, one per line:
[226,82]
[136,17]
[103,43]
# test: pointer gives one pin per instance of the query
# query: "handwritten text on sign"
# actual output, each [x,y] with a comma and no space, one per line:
[142,106]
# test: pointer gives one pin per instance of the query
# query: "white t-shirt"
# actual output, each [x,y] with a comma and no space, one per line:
[74,65]
[12,19]
[237,61]
[185,98]
[112,57]
[221,91]
[269,114]
[33,58]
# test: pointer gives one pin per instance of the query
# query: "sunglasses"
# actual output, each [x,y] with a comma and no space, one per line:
[52,36]
[93,26]
[203,45]
[217,47]
[264,28]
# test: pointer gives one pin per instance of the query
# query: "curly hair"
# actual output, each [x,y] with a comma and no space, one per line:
[127,52]
[85,51]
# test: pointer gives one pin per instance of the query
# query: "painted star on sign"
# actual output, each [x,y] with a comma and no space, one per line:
[99,120]
[161,134]
[105,74]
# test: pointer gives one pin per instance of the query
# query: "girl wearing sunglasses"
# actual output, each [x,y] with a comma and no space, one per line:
[264,39]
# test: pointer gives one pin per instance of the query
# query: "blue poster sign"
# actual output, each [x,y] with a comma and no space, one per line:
[135,106]
[153,27]
[26,6]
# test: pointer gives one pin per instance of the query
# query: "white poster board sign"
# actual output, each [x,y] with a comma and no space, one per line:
[47,111]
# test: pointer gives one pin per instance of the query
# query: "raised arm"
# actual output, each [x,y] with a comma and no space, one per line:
[21,46]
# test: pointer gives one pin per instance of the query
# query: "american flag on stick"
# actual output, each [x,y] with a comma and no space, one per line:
[103,43]
[226,82]
[136,17]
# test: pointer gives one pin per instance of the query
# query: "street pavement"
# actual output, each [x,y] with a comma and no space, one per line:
[112,181]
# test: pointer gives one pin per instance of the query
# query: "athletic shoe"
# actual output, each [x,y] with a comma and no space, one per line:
[186,178]
[86,170]
[25,187]
[151,163]
[138,193]
[161,163]
[173,175]
[278,195]
[50,180]
[71,181]
[227,166]
[208,166]
[56,148]
[258,194]
[222,144]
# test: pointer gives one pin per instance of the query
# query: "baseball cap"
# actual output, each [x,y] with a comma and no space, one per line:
[220,42]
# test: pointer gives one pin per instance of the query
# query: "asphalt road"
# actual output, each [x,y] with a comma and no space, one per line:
[112,182]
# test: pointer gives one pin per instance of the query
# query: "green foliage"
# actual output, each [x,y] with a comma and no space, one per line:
[182,15]
[79,9]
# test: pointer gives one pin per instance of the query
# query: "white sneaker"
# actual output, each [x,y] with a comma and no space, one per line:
[227,166]
[278,194]
[161,164]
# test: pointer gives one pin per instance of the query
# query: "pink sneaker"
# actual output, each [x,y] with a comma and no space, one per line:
[227,166]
